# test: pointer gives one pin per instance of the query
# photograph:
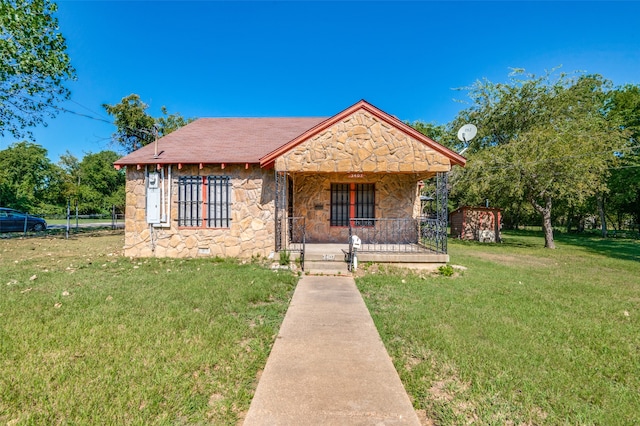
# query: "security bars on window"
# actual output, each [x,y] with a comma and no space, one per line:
[204,200]
[355,202]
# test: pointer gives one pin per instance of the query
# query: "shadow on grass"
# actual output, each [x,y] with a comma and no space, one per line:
[510,238]
[617,248]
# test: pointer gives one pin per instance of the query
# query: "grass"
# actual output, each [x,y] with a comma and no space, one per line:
[90,337]
[525,335]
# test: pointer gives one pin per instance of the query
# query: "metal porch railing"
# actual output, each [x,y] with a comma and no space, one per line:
[399,235]
[295,237]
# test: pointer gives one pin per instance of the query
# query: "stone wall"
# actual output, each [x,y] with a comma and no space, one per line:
[361,148]
[252,217]
[363,143]
[396,196]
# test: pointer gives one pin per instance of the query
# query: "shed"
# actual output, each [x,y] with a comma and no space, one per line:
[476,223]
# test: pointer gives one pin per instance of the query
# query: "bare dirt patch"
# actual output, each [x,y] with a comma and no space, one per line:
[424,419]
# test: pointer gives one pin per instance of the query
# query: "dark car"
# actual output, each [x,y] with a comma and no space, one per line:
[13,221]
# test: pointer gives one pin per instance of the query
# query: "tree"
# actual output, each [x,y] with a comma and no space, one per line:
[34,65]
[437,132]
[540,139]
[93,182]
[27,178]
[170,122]
[624,182]
[101,184]
[136,128]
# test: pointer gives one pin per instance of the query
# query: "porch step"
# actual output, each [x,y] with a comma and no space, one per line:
[319,267]
[332,257]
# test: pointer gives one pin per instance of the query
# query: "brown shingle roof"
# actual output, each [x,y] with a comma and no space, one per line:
[256,140]
[222,140]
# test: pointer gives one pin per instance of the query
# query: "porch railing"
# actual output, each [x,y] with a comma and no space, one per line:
[399,235]
[433,235]
[295,237]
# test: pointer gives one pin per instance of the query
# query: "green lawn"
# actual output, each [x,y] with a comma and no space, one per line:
[525,335]
[90,337]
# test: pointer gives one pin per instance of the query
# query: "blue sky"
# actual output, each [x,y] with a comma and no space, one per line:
[298,58]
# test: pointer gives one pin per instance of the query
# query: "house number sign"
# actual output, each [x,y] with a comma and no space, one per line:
[356,175]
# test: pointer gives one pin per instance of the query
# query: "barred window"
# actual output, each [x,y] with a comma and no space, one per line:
[352,201]
[204,201]
[339,204]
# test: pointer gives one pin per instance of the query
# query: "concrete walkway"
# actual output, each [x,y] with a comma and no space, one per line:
[328,365]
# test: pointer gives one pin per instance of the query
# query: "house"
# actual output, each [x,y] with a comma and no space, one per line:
[243,187]
[476,223]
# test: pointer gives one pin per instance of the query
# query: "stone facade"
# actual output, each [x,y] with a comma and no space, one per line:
[360,148]
[251,231]
[363,143]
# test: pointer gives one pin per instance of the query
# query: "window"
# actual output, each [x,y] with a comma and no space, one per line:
[352,201]
[340,204]
[204,201]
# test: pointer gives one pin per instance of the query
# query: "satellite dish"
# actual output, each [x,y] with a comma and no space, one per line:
[467,132]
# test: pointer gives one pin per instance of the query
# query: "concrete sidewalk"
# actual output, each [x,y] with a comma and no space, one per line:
[328,365]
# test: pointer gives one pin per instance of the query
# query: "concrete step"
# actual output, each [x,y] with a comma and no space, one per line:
[337,257]
[319,267]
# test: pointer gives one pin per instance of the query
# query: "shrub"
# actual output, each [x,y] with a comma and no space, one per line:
[446,270]
[285,257]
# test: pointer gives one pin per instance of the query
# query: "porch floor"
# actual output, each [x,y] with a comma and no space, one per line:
[384,253]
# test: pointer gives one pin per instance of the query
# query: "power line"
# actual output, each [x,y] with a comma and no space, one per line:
[140,132]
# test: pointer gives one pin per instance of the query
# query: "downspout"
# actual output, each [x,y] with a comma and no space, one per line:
[163,213]
[146,186]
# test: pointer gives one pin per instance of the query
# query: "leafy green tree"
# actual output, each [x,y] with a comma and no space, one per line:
[34,65]
[93,182]
[70,164]
[102,184]
[28,179]
[624,182]
[168,123]
[136,128]
[540,139]
[437,132]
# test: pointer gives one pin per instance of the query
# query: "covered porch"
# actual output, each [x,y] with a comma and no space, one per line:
[317,216]
[359,174]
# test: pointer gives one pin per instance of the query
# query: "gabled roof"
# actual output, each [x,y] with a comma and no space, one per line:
[255,140]
[454,157]
[222,140]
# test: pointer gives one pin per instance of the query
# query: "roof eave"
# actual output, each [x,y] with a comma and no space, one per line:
[119,164]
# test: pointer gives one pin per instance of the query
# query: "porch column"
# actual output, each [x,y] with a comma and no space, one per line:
[280,208]
[442,211]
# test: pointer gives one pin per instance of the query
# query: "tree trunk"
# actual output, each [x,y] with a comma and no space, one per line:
[603,219]
[548,229]
[546,221]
